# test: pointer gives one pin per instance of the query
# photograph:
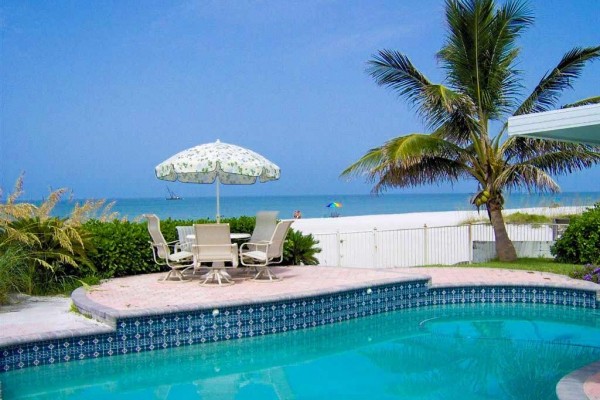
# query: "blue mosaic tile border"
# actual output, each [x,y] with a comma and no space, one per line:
[187,328]
[511,294]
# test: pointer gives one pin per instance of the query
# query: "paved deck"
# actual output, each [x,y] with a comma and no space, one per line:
[36,318]
[147,294]
[31,318]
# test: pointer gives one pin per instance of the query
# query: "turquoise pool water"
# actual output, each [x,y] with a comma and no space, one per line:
[452,352]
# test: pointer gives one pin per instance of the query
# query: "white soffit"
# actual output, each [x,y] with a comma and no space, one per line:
[577,124]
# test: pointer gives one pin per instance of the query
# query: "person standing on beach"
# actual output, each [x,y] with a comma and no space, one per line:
[297,214]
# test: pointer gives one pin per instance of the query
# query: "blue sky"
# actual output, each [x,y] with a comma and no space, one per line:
[95,94]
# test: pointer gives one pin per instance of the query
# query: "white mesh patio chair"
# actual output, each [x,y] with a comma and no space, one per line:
[265,253]
[185,242]
[183,232]
[266,221]
[177,260]
[213,245]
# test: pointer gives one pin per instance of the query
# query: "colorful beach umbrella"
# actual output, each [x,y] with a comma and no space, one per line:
[221,162]
[334,204]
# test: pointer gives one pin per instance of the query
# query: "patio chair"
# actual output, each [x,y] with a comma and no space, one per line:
[213,245]
[266,253]
[185,243]
[178,260]
[183,232]
[266,221]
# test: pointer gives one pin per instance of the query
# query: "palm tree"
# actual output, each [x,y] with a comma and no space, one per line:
[482,87]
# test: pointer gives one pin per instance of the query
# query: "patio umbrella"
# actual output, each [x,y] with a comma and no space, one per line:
[221,162]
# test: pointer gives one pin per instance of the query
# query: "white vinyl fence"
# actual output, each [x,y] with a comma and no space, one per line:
[445,245]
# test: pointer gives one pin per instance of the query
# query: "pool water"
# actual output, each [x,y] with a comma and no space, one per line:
[451,352]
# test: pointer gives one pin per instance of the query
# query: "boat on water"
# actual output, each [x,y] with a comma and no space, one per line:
[172,195]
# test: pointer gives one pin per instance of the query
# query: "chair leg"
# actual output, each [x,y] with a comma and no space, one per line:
[215,278]
[265,275]
[176,274]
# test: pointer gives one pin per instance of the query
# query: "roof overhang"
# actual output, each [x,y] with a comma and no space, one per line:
[577,124]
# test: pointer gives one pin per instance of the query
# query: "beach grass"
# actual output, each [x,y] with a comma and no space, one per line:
[531,264]
[519,217]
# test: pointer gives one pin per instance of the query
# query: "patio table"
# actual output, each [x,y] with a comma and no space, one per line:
[233,236]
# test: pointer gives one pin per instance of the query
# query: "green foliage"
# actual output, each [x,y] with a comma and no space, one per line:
[524,218]
[240,225]
[123,248]
[580,242]
[120,248]
[300,249]
[14,276]
[526,264]
[588,272]
[59,246]
[50,262]
[42,254]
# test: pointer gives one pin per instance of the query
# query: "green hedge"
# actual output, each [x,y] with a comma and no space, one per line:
[122,248]
[580,242]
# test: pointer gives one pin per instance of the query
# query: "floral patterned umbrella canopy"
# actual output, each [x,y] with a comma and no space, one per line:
[225,163]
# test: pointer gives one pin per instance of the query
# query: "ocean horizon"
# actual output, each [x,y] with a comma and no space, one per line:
[315,206]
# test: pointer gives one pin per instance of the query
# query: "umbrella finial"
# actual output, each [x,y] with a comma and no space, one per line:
[218,141]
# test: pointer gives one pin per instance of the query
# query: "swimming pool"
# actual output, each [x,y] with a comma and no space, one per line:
[466,351]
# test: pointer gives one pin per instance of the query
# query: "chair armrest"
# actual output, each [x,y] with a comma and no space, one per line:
[258,245]
[197,246]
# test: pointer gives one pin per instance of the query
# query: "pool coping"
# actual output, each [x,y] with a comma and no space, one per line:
[110,315]
[571,386]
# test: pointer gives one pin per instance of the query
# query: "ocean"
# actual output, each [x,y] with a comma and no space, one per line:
[316,206]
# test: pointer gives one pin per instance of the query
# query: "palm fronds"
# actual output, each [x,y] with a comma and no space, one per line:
[412,160]
[583,102]
[546,94]
[526,176]
[480,51]
[482,86]
[434,102]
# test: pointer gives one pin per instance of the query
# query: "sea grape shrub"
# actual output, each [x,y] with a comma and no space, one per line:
[120,248]
[580,242]
[241,224]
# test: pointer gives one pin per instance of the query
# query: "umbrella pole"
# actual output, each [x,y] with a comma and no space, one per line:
[218,204]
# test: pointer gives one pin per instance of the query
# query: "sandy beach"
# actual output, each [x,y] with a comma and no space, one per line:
[411,220]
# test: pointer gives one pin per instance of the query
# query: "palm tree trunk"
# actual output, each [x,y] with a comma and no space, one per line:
[504,246]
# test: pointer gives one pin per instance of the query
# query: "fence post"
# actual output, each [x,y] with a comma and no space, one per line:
[425,246]
[470,243]
[339,249]
[375,248]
